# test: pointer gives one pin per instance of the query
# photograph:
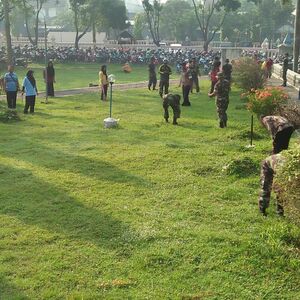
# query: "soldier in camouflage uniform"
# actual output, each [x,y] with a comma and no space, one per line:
[280,129]
[152,74]
[195,71]
[221,91]
[165,72]
[268,170]
[172,100]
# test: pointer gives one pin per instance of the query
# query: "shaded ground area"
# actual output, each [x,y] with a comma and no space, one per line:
[147,210]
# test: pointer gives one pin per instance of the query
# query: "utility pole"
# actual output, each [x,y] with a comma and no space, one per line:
[296,37]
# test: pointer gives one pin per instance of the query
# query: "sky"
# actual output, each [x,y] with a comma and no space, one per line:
[136,5]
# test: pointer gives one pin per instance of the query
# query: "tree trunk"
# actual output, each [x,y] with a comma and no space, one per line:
[296,37]
[7,32]
[94,33]
[77,29]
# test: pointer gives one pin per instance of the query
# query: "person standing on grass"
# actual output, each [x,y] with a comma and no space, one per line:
[165,72]
[227,70]
[221,91]
[186,81]
[30,89]
[213,75]
[195,71]
[11,87]
[103,82]
[49,78]
[285,68]
[152,75]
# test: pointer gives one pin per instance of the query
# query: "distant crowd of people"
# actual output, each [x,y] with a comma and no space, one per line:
[27,54]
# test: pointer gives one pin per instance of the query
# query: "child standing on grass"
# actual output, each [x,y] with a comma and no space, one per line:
[103,82]
[29,86]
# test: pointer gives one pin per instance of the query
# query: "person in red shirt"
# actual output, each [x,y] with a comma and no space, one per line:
[213,75]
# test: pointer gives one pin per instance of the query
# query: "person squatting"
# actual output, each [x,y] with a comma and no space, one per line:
[281,130]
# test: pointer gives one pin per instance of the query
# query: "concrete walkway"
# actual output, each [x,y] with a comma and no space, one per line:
[292,91]
[117,86]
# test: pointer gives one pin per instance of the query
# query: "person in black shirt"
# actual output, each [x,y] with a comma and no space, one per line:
[165,72]
[285,68]
[227,70]
[152,74]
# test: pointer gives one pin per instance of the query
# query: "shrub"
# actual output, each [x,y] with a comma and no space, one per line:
[7,115]
[287,183]
[266,101]
[247,74]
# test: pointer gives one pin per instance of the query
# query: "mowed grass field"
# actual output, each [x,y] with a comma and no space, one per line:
[143,211]
[79,75]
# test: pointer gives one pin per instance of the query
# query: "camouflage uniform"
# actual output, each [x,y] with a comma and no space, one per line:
[268,171]
[174,102]
[165,72]
[194,69]
[221,90]
[152,76]
[280,129]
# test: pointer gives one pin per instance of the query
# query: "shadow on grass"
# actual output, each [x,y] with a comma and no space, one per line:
[9,291]
[54,159]
[36,202]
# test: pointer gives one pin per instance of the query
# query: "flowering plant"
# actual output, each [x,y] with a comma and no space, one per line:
[265,101]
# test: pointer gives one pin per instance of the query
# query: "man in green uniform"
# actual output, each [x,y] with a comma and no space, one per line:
[268,170]
[195,71]
[281,131]
[285,68]
[172,100]
[152,74]
[221,91]
[165,72]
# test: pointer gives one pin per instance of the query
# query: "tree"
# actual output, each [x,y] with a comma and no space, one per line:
[82,20]
[6,17]
[139,26]
[153,19]
[29,12]
[177,20]
[296,37]
[205,11]
[296,45]
[255,22]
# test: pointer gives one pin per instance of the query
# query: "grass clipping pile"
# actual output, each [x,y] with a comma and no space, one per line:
[241,167]
[7,115]
[287,183]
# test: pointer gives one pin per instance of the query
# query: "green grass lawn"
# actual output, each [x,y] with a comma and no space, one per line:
[75,75]
[143,211]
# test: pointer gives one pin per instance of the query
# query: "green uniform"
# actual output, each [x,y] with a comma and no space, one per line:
[268,170]
[221,91]
[195,71]
[281,131]
[165,72]
[174,102]
[152,76]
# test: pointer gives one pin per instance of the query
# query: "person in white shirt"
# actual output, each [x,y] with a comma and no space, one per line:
[30,89]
